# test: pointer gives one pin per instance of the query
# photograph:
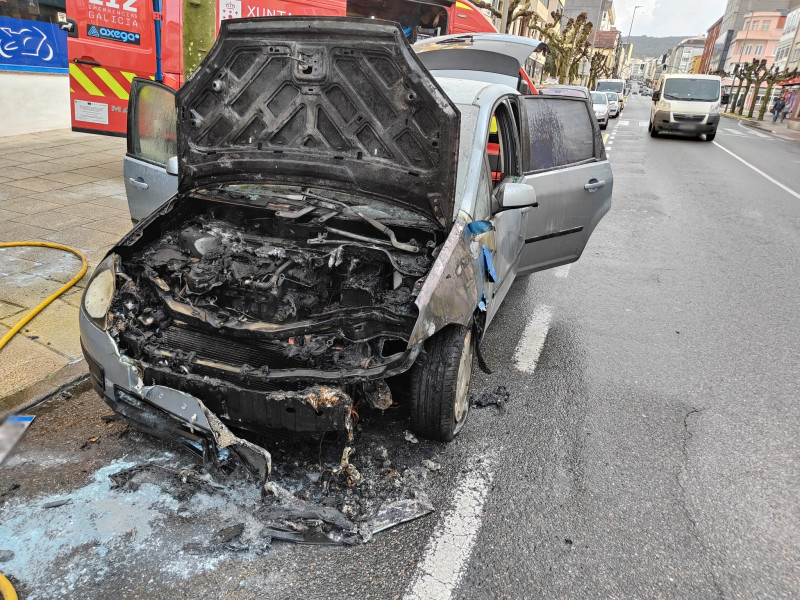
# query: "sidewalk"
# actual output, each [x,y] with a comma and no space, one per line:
[63,187]
[780,129]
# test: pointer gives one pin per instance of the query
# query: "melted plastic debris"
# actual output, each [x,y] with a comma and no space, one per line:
[497,397]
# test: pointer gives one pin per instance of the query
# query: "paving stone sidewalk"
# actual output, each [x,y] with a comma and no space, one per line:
[63,187]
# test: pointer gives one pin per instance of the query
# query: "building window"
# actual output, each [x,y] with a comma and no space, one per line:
[796,54]
[759,49]
[766,25]
[754,25]
[748,50]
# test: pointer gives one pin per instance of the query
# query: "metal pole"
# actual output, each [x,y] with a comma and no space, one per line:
[632,18]
[199,23]
[504,19]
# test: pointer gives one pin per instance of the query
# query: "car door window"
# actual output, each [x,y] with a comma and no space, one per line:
[559,132]
[501,149]
[152,124]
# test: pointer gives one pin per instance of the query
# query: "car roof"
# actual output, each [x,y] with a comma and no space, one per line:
[472,91]
[689,76]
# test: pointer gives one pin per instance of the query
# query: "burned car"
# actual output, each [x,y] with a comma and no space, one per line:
[342,219]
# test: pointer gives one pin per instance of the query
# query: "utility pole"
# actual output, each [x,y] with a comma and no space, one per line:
[199,32]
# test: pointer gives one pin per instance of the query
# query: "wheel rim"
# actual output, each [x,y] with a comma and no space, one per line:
[462,385]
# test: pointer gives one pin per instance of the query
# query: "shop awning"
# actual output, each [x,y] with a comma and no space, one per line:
[795,81]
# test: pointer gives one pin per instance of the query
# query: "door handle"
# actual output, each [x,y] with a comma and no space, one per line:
[92,63]
[594,185]
[139,183]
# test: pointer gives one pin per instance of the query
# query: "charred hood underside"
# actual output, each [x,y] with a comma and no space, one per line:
[320,101]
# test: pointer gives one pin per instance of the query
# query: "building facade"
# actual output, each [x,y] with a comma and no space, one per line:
[733,21]
[679,59]
[711,40]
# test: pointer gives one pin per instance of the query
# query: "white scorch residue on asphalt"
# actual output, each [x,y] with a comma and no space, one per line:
[450,546]
[58,550]
[531,343]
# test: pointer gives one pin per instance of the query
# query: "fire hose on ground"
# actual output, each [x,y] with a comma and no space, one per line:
[41,306]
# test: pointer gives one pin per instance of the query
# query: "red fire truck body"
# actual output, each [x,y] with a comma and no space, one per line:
[113,41]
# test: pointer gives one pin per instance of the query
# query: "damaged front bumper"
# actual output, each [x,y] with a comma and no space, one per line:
[170,407]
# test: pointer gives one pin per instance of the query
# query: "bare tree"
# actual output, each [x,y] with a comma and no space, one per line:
[759,75]
[748,74]
[598,68]
[775,76]
[569,45]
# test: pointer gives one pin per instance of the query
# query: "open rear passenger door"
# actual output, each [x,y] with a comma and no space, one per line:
[564,160]
[150,166]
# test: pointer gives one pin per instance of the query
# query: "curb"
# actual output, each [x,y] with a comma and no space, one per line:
[44,389]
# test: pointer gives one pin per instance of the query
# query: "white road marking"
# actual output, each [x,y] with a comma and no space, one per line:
[451,545]
[624,123]
[759,171]
[761,135]
[644,123]
[562,272]
[531,343]
[733,131]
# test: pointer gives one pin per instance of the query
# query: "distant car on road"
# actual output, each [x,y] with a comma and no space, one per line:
[687,103]
[601,108]
[612,85]
[341,218]
[614,104]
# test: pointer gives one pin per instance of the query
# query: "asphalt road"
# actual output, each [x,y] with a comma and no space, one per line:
[649,448]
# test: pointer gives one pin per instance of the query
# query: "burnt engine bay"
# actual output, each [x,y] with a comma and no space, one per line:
[276,294]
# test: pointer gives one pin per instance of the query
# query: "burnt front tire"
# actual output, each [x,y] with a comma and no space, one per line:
[440,387]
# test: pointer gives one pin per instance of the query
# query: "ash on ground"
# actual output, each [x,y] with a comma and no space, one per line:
[498,397]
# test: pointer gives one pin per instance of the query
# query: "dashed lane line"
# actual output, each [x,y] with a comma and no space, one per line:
[759,171]
[644,123]
[531,343]
[450,547]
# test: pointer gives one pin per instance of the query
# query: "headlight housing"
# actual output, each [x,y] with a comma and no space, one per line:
[100,291]
[715,108]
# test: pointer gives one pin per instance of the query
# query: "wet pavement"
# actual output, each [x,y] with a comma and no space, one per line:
[648,447]
[62,187]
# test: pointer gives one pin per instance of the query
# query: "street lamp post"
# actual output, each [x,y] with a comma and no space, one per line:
[628,43]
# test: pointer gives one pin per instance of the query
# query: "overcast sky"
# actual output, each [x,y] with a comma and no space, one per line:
[668,17]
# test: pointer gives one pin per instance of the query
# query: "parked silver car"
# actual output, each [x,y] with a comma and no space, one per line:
[342,218]
[601,108]
[613,104]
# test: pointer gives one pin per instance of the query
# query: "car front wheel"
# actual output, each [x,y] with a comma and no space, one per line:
[440,386]
[710,136]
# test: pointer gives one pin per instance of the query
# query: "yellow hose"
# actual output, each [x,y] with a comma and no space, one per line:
[6,589]
[35,311]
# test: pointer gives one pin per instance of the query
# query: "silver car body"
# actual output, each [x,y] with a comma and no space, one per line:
[613,104]
[600,106]
[533,210]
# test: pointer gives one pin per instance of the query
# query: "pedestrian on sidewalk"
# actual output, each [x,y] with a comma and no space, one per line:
[786,110]
[777,109]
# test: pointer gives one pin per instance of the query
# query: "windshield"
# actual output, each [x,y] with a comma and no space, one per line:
[598,98]
[612,97]
[692,90]
[610,86]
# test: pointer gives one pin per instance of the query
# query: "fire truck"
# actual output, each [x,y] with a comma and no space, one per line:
[110,42]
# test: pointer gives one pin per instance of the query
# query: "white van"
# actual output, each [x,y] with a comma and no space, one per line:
[687,103]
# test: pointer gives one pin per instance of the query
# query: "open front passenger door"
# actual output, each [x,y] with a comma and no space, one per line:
[150,166]
[564,160]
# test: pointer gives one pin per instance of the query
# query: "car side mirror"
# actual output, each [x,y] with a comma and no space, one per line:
[516,195]
[172,165]
[656,96]
[726,99]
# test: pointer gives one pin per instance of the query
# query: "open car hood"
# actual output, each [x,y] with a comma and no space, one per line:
[324,102]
